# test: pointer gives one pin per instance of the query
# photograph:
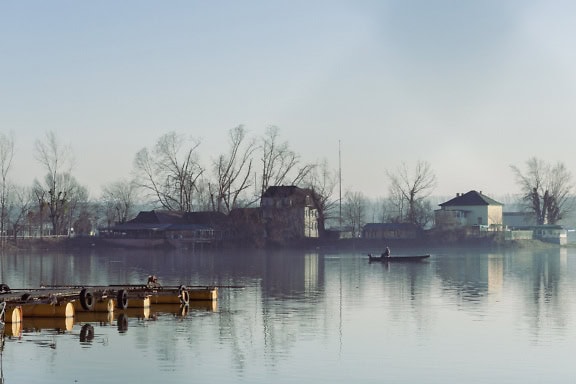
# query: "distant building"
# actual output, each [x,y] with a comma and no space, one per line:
[289,213]
[522,226]
[168,228]
[470,209]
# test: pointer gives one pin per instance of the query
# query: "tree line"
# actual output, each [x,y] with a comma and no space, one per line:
[170,175]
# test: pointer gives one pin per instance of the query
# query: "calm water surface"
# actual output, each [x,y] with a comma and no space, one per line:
[464,316]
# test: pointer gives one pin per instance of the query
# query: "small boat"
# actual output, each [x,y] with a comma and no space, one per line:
[387,259]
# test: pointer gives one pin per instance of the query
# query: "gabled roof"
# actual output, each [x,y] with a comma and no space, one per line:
[296,194]
[285,191]
[157,217]
[160,218]
[471,198]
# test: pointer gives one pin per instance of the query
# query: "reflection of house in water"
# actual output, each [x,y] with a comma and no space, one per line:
[495,273]
[295,275]
[468,276]
[311,272]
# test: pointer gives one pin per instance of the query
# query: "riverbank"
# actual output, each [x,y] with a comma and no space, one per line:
[77,243]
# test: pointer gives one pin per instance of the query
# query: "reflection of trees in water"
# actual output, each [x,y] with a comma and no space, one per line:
[540,276]
[530,279]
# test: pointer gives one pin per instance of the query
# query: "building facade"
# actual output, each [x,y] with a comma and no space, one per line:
[470,209]
[289,213]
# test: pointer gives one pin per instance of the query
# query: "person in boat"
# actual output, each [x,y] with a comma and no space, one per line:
[386,252]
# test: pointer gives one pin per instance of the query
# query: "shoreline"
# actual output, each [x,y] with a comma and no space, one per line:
[84,243]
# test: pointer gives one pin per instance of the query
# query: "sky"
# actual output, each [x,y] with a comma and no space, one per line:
[471,87]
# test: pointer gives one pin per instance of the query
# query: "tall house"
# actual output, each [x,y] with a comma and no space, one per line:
[289,213]
[471,209]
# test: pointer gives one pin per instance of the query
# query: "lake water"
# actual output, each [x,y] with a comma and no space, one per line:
[463,316]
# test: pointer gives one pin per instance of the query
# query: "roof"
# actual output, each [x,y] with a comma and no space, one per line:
[157,217]
[299,196]
[205,217]
[471,198]
[162,220]
[140,227]
[285,191]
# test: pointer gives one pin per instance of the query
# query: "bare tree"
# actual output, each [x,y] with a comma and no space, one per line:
[118,198]
[280,165]
[354,211]
[322,182]
[6,157]
[203,197]
[233,171]
[409,191]
[61,201]
[546,190]
[23,202]
[383,209]
[59,188]
[170,171]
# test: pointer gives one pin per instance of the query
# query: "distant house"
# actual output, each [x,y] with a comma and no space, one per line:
[522,225]
[470,209]
[289,213]
[551,234]
[390,231]
[168,228]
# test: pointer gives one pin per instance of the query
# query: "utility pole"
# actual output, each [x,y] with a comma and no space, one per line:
[340,185]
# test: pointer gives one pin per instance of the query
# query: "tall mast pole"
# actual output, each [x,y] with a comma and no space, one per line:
[340,184]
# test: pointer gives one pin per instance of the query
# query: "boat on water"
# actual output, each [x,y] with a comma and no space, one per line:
[399,258]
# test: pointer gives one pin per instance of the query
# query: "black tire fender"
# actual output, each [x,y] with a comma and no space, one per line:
[122,299]
[86,299]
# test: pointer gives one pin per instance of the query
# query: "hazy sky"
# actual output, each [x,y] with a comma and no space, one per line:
[469,86]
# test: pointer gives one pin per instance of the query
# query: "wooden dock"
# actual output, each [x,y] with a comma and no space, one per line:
[84,302]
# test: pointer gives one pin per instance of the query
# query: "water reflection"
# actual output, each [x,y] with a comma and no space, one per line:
[311,315]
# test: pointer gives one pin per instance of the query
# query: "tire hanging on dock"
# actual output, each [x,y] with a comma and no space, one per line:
[122,299]
[2,311]
[184,295]
[86,299]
